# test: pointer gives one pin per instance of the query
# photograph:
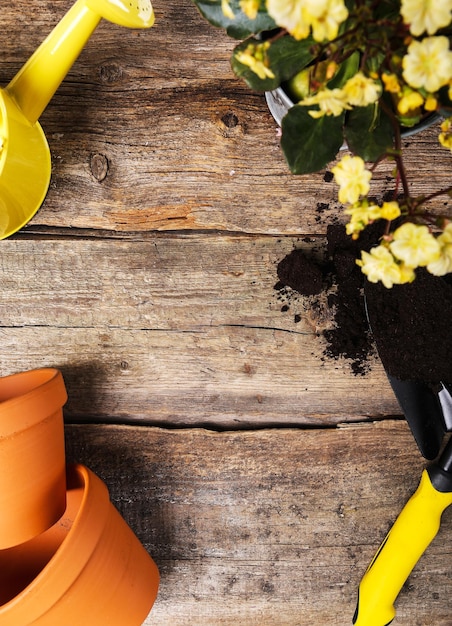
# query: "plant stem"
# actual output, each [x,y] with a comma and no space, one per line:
[441,192]
[397,153]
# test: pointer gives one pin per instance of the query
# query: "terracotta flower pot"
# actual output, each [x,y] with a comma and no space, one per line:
[32,461]
[89,568]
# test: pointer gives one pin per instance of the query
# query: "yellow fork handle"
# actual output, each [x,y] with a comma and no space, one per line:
[411,534]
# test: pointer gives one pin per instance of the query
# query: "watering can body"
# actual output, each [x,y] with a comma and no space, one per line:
[25,163]
[25,167]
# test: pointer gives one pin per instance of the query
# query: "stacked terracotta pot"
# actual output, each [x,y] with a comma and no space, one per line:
[67,557]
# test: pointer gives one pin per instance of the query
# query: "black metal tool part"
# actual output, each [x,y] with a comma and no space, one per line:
[422,408]
[426,407]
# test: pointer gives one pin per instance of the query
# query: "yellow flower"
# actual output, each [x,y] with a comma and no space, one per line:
[414,245]
[300,16]
[330,101]
[431,103]
[325,20]
[226,9]
[255,57]
[352,177]
[407,274]
[291,15]
[444,264]
[390,210]
[250,8]
[362,213]
[428,64]
[380,265]
[445,137]
[361,91]
[391,83]
[410,101]
[426,15]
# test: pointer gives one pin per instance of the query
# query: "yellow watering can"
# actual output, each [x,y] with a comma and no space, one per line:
[25,165]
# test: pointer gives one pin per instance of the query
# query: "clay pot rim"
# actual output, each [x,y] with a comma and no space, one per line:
[56,577]
[34,395]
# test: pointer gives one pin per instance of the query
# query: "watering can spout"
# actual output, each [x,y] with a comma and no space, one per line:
[34,85]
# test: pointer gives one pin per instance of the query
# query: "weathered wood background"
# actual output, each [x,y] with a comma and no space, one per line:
[260,475]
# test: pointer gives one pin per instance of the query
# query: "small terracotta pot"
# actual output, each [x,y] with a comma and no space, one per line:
[32,461]
[89,568]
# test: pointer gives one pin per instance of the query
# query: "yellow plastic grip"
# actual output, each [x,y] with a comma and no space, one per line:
[411,534]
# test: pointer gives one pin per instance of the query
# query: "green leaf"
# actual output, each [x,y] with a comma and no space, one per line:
[286,57]
[289,56]
[387,9]
[346,70]
[368,132]
[241,26]
[444,101]
[310,144]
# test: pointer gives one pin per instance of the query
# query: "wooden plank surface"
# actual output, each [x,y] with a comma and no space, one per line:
[147,277]
[270,527]
[177,330]
[151,131]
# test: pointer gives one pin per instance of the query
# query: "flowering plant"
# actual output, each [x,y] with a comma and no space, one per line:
[359,71]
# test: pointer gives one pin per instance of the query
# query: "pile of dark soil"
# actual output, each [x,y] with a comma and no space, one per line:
[412,326]
[410,323]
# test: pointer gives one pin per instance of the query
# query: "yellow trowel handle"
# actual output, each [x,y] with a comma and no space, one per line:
[412,532]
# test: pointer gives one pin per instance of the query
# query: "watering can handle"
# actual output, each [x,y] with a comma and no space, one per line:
[411,534]
[34,85]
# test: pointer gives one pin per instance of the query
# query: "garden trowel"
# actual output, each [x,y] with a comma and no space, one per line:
[428,411]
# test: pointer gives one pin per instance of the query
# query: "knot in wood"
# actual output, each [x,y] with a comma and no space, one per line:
[230,125]
[230,120]
[99,166]
[110,73]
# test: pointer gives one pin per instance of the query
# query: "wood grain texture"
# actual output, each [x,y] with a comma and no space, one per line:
[184,143]
[148,277]
[183,330]
[271,527]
